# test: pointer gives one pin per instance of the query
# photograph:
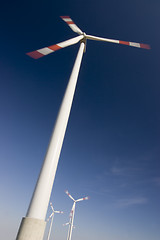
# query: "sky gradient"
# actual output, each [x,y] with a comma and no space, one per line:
[111,147]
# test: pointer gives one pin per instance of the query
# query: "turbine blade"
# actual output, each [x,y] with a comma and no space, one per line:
[71,214]
[58,211]
[71,24]
[50,217]
[47,50]
[69,195]
[72,210]
[66,224]
[51,206]
[132,44]
[81,199]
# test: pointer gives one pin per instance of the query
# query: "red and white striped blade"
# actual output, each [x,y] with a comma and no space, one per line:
[71,214]
[47,50]
[69,195]
[132,44]
[72,210]
[71,24]
[65,224]
[58,211]
[50,217]
[81,199]
[51,206]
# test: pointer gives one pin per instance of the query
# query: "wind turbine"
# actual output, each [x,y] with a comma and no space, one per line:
[72,213]
[40,199]
[68,223]
[51,217]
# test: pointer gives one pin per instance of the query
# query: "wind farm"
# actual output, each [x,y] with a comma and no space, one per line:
[108,149]
[38,206]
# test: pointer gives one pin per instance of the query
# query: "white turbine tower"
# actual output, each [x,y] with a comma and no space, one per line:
[33,225]
[51,217]
[72,214]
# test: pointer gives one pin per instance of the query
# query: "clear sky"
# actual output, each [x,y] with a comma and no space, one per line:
[111,149]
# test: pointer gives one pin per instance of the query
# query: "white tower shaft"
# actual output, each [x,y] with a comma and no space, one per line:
[39,203]
[50,227]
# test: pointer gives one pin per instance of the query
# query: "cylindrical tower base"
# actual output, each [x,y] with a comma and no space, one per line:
[31,229]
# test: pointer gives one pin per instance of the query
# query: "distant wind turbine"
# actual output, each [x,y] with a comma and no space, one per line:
[73,213]
[51,217]
[37,210]
[68,223]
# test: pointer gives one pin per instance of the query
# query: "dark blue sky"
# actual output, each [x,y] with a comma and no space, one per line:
[111,148]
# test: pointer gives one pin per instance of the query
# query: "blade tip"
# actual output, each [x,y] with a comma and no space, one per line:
[64,17]
[34,54]
[145,46]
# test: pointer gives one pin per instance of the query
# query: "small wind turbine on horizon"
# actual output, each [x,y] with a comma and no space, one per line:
[51,217]
[37,209]
[72,213]
[69,223]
